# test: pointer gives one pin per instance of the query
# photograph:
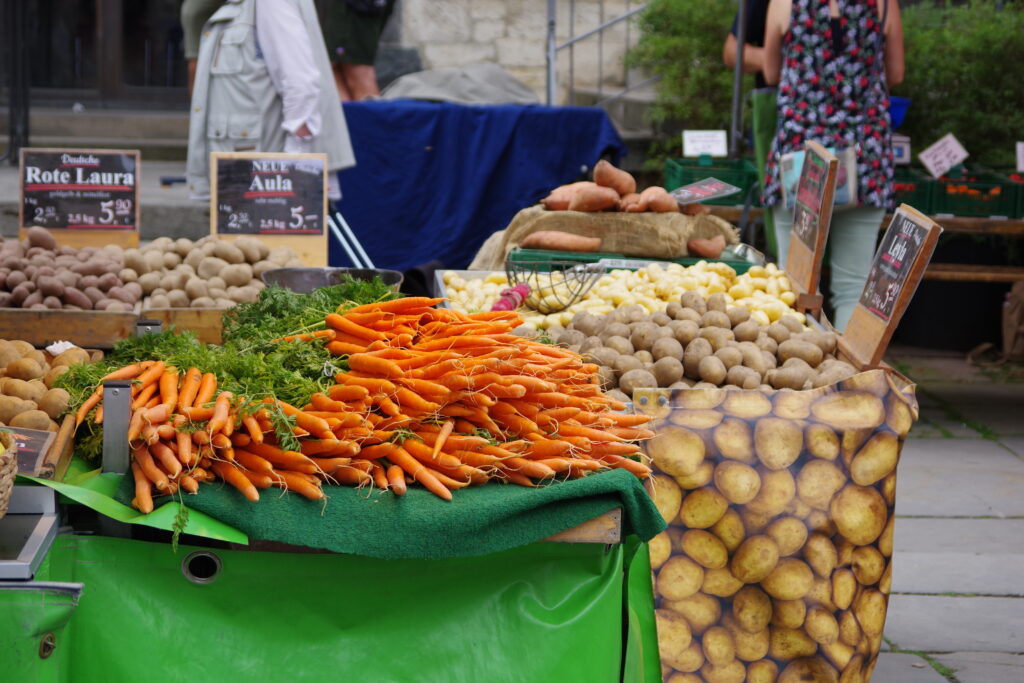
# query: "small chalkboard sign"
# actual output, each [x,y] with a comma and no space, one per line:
[33,445]
[896,271]
[280,197]
[812,214]
[87,197]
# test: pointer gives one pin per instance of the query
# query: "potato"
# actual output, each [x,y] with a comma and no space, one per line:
[750,647]
[211,266]
[729,530]
[766,343]
[237,275]
[808,669]
[738,483]
[777,442]
[667,497]
[676,451]
[718,646]
[821,555]
[849,410]
[789,377]
[876,459]
[868,565]
[705,399]
[791,579]
[806,351]
[679,578]
[700,611]
[733,672]
[788,613]
[31,419]
[817,482]
[730,356]
[684,331]
[860,513]
[637,379]
[56,371]
[620,345]
[178,298]
[715,318]
[203,302]
[849,629]
[667,370]
[747,404]
[25,368]
[692,356]
[747,331]
[711,369]
[721,583]
[789,534]
[674,635]
[697,419]
[667,347]
[719,337]
[821,441]
[40,237]
[702,508]
[280,255]
[752,609]
[755,559]
[869,608]
[659,548]
[692,299]
[886,539]
[835,372]
[844,588]
[763,671]
[54,403]
[642,335]
[734,440]
[778,488]
[699,479]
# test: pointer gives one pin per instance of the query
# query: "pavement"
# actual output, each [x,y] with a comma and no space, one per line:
[956,612]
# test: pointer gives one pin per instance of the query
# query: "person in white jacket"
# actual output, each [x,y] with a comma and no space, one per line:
[264,84]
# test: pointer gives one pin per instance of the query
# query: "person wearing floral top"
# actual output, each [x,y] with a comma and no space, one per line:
[834,62]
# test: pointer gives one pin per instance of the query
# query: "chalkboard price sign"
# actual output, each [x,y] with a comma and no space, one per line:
[268,194]
[891,267]
[812,213]
[79,189]
[32,447]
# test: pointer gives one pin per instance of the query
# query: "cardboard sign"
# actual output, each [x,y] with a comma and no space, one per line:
[85,196]
[943,155]
[282,198]
[32,448]
[703,190]
[1020,157]
[812,213]
[896,271]
[711,142]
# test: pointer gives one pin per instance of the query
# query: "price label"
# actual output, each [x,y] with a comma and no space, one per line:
[1020,157]
[711,142]
[812,214]
[943,155]
[703,190]
[33,445]
[83,190]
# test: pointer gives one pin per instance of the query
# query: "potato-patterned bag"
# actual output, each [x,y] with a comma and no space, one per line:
[776,564]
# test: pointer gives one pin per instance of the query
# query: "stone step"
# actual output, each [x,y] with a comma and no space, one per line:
[630,111]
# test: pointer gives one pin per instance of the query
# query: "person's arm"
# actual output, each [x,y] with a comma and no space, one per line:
[289,56]
[775,26]
[752,55]
[894,62]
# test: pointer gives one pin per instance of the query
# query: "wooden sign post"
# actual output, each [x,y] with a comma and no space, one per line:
[899,264]
[86,197]
[812,214]
[282,198]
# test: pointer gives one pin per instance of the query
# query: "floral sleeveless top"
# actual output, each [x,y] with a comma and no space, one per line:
[832,90]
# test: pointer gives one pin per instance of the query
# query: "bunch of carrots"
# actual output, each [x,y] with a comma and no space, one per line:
[432,396]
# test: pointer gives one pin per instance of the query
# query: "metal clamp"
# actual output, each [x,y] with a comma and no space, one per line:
[117,402]
[143,327]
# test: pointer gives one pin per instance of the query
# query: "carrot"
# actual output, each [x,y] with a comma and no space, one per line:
[569,429]
[446,480]
[158,413]
[149,468]
[548,448]
[316,426]
[631,433]
[169,387]
[149,376]
[234,476]
[639,469]
[197,414]
[189,388]
[292,481]
[188,483]
[348,392]
[424,453]
[253,462]
[516,477]
[201,438]
[166,432]
[341,348]
[261,480]
[252,427]
[143,490]
[328,465]
[291,460]
[410,399]
[396,478]
[186,454]
[135,425]
[142,398]
[419,472]
[334,447]
[221,408]
[88,405]
[207,388]
[220,441]
[323,402]
[424,387]
[442,437]
[406,304]
[351,475]
[166,457]
[308,336]
[343,324]
[614,448]
[380,476]
[127,372]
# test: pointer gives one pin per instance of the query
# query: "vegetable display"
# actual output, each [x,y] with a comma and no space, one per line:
[28,398]
[612,190]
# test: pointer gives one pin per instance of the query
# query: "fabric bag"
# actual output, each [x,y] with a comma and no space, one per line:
[791,164]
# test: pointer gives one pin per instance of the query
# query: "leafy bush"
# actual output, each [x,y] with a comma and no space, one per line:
[965,67]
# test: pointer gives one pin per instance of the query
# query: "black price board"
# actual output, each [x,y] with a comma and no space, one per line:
[812,213]
[32,447]
[897,269]
[80,189]
[268,194]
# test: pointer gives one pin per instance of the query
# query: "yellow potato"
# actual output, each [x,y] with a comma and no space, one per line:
[721,583]
[869,608]
[755,522]
[885,583]
[688,661]
[700,399]
[844,588]
[799,509]
[673,633]
[821,626]
[851,441]
[702,477]
[746,404]
[750,647]
[777,442]
[792,405]
[697,419]
[876,459]
[860,513]
[667,497]
[809,669]
[885,540]
[733,672]
[786,644]
[659,548]
[705,548]
[849,629]
[755,559]
[701,611]
[777,490]
[703,507]
[678,677]
[849,410]
[738,483]
[888,488]
[821,594]
[752,609]
[837,653]
[820,553]
[820,522]
[818,481]
[854,671]
[867,564]
[719,648]
[844,550]
[821,441]
[788,613]
[899,418]
[729,530]
[789,534]
[872,381]
[791,579]
[676,451]
[734,440]
[764,671]
[680,577]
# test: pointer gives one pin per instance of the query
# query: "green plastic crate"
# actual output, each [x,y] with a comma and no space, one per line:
[979,192]
[742,173]
[915,188]
[519,255]
[1017,179]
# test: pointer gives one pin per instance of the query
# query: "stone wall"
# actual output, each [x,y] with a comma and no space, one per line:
[513,33]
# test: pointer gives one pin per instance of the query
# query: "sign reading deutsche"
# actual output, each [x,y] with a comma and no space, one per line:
[88,189]
[268,194]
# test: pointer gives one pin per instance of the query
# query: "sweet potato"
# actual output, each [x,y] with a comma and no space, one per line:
[631,203]
[560,241]
[560,197]
[607,175]
[595,198]
[659,200]
[706,248]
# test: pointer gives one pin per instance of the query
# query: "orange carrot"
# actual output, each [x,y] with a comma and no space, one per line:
[341,348]
[295,482]
[423,453]
[189,388]
[261,480]
[330,447]
[143,490]
[186,454]
[166,457]
[142,398]
[207,388]
[88,405]
[149,468]
[411,400]
[639,469]
[396,478]
[343,324]
[380,476]
[351,392]
[127,372]
[291,460]
[314,425]
[253,462]
[149,376]
[372,365]
[169,387]
[221,408]
[442,437]
[399,456]
[135,425]
[188,483]
[158,413]
[253,428]
[234,476]
[197,414]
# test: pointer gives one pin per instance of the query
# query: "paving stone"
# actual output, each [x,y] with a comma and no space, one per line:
[948,624]
[996,406]
[895,667]
[937,535]
[1015,444]
[959,478]
[985,667]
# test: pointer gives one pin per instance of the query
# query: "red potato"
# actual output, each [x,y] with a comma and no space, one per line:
[594,198]
[659,200]
[607,175]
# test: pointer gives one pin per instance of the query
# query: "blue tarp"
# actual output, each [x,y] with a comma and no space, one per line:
[434,180]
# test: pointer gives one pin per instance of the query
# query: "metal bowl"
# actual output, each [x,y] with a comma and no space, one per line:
[306,280]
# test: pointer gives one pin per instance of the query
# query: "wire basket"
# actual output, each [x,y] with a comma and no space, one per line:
[8,469]
[554,285]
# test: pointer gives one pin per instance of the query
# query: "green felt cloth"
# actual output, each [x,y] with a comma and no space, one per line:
[480,519]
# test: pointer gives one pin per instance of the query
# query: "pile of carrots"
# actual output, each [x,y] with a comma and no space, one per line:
[431,395]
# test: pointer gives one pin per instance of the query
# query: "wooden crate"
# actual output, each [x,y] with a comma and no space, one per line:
[88,329]
[207,323]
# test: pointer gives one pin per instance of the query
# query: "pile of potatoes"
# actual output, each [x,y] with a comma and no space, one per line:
[207,273]
[698,343]
[776,565]
[27,397]
[37,274]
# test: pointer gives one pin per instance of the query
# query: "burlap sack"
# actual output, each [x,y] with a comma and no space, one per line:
[651,235]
